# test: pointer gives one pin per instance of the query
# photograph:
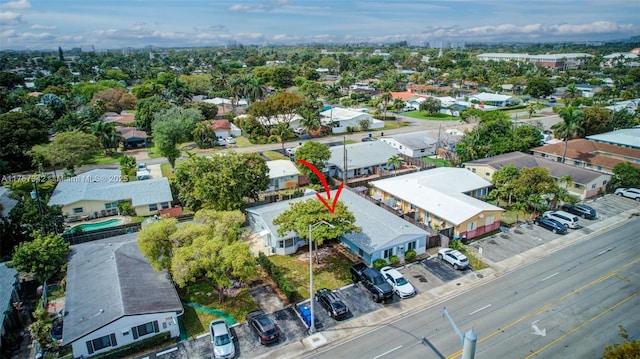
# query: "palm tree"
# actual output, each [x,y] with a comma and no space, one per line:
[570,127]
[106,133]
[398,104]
[395,161]
[570,93]
[281,132]
[255,90]
[386,98]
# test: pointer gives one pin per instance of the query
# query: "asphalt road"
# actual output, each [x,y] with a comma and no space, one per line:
[566,305]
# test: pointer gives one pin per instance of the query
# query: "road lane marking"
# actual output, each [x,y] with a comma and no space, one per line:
[477,310]
[550,304]
[573,330]
[387,352]
[605,251]
[551,276]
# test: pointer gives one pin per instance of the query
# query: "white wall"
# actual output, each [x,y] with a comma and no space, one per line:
[167,322]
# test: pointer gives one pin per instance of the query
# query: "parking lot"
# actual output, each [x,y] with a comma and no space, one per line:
[424,275]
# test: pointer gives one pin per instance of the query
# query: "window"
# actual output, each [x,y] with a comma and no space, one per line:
[78,210]
[487,174]
[604,182]
[101,343]
[472,226]
[473,170]
[112,205]
[593,186]
[153,207]
[490,219]
[387,253]
[411,246]
[145,329]
[164,205]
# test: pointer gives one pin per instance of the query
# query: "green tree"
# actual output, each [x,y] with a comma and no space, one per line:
[303,214]
[570,127]
[395,161]
[385,98]
[571,93]
[503,182]
[116,99]
[310,112]
[534,184]
[106,134]
[32,212]
[127,165]
[430,105]
[204,134]
[145,111]
[209,111]
[532,107]
[19,132]
[624,175]
[73,148]
[212,251]
[41,327]
[172,127]
[281,132]
[315,153]
[44,256]
[222,182]
[156,243]
[539,86]
[628,349]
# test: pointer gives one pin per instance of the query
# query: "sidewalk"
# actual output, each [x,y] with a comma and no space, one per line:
[359,325]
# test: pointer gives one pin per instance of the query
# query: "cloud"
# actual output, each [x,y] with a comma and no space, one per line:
[10,18]
[43,27]
[17,5]
[259,7]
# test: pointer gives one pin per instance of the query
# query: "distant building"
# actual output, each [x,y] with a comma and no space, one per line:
[413,144]
[554,61]
[628,137]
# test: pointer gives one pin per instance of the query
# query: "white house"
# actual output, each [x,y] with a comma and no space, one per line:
[97,193]
[114,297]
[283,174]
[362,159]
[382,234]
[413,144]
[340,119]
[492,99]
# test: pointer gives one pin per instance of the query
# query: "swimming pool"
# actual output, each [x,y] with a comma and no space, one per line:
[87,227]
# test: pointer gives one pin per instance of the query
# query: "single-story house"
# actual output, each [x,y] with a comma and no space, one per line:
[283,174]
[363,159]
[114,297]
[225,129]
[382,234]
[441,198]
[6,203]
[626,137]
[492,99]
[98,192]
[586,183]
[132,137]
[339,119]
[413,144]
[219,101]
[591,155]
[9,285]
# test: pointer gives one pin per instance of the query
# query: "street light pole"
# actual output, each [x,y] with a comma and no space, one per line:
[312,327]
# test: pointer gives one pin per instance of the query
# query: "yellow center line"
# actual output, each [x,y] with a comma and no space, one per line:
[549,305]
[582,325]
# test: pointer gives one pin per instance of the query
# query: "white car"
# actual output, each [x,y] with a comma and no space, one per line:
[230,141]
[632,193]
[400,284]
[221,339]
[453,257]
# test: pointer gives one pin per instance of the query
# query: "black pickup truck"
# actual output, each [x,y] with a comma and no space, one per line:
[373,281]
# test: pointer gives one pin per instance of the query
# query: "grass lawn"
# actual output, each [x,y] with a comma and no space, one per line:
[391,125]
[420,115]
[102,159]
[165,168]
[197,321]
[243,142]
[332,273]
[441,162]
[152,150]
[273,155]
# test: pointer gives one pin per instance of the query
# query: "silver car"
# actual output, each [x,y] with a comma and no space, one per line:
[221,339]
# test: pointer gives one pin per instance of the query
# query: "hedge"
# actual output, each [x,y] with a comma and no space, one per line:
[288,288]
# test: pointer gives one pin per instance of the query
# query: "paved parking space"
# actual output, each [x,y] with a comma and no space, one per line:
[443,270]
[420,277]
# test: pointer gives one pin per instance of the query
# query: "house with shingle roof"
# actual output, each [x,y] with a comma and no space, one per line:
[413,144]
[362,159]
[586,183]
[98,192]
[382,234]
[591,155]
[132,137]
[9,285]
[114,297]
[441,198]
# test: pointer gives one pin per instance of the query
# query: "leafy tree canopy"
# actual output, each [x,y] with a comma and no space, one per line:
[315,153]
[624,175]
[145,111]
[44,256]
[18,133]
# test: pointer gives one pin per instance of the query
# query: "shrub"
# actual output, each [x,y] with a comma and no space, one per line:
[394,260]
[287,288]
[410,255]
[379,263]
[456,244]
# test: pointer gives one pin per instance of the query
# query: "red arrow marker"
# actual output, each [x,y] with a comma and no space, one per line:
[331,207]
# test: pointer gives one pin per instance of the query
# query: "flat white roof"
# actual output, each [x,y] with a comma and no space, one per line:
[282,168]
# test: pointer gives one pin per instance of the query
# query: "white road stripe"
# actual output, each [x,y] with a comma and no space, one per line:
[387,352]
[551,276]
[477,310]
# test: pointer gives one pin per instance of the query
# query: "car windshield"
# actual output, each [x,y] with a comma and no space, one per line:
[223,339]
[401,281]
[378,280]
[338,306]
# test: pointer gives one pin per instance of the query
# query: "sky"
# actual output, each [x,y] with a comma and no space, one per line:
[114,24]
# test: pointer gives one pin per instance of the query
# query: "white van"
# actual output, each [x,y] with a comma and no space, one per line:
[563,217]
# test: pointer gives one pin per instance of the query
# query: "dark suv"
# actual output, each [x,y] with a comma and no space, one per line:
[373,280]
[263,327]
[580,209]
[330,301]
[550,224]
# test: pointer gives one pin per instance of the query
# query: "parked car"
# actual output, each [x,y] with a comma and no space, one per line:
[580,209]
[263,327]
[221,339]
[220,142]
[330,301]
[143,172]
[400,284]
[453,257]
[551,224]
[299,130]
[373,281]
[632,193]
[230,141]
[568,219]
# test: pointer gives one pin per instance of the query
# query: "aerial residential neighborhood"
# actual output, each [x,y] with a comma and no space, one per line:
[280,196]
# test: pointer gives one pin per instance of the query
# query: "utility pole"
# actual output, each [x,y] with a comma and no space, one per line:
[344,167]
[438,144]
[468,339]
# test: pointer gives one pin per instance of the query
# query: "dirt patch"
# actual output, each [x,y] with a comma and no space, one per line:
[266,298]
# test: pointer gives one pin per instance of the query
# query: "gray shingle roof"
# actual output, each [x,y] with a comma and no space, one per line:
[109,279]
[105,185]
[6,202]
[380,228]
[360,155]
[415,140]
[8,278]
